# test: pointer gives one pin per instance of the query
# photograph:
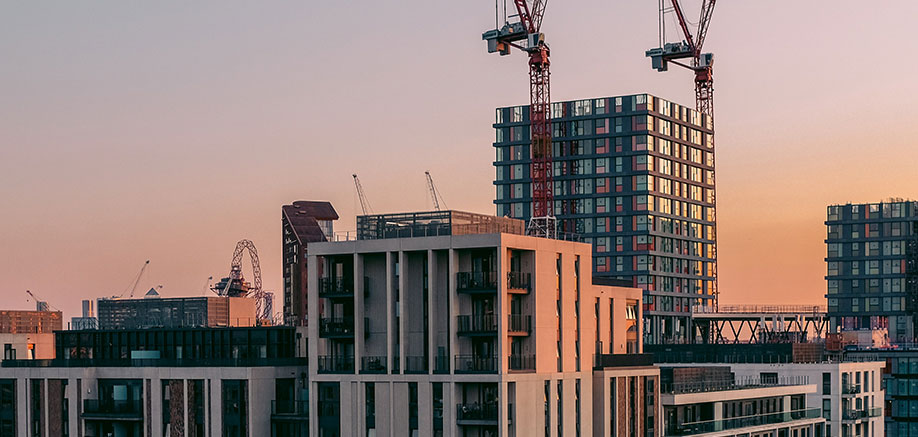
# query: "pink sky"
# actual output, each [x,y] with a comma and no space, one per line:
[168,131]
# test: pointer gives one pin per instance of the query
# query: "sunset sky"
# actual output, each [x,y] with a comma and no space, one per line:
[169,130]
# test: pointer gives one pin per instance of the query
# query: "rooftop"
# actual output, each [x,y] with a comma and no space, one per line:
[434,223]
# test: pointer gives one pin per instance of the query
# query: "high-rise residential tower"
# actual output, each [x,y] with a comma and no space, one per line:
[872,267]
[634,176]
[302,223]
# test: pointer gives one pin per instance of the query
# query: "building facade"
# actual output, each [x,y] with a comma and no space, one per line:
[33,322]
[160,382]
[153,311]
[302,222]
[872,267]
[633,176]
[455,324]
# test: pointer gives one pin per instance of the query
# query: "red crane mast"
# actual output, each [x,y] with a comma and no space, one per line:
[530,13]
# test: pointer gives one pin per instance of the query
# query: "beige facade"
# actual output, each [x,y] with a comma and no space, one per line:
[27,346]
[478,334]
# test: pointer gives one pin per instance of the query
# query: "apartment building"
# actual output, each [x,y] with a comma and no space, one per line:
[456,324]
[160,382]
[302,222]
[710,400]
[900,386]
[633,176]
[872,267]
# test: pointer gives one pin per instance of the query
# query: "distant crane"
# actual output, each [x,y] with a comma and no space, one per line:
[364,203]
[702,63]
[434,193]
[37,301]
[530,13]
[135,283]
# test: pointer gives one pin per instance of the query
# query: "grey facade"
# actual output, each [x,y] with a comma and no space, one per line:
[872,267]
[634,176]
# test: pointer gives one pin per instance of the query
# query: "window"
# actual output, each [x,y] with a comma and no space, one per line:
[826,383]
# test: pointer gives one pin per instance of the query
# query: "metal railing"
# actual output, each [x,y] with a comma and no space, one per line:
[855,414]
[731,384]
[757,309]
[707,426]
[129,408]
[475,364]
[415,364]
[158,362]
[482,281]
[522,362]
[519,323]
[476,324]
[335,364]
[336,327]
[290,408]
[519,281]
[373,364]
[476,412]
[851,389]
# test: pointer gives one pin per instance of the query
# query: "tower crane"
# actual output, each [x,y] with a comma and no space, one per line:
[364,203]
[701,63]
[136,281]
[530,13]
[37,300]
[434,193]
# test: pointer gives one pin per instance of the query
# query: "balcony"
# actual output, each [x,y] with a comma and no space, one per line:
[854,414]
[336,327]
[373,364]
[476,414]
[337,287]
[335,364]
[851,389]
[290,410]
[708,426]
[522,363]
[94,409]
[476,325]
[519,282]
[441,365]
[475,364]
[519,325]
[476,282]
[416,365]
[874,412]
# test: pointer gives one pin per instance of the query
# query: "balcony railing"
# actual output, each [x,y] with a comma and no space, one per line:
[708,426]
[340,327]
[441,365]
[854,414]
[476,282]
[851,389]
[522,362]
[476,413]
[874,412]
[519,281]
[373,364]
[519,324]
[335,364]
[110,408]
[336,287]
[290,408]
[415,364]
[475,364]
[482,324]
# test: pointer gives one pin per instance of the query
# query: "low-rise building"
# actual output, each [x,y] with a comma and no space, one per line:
[153,311]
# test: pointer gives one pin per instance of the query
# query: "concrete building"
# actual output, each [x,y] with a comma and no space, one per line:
[153,311]
[456,324]
[872,267]
[302,223]
[849,394]
[160,382]
[711,401]
[633,176]
[34,322]
[27,346]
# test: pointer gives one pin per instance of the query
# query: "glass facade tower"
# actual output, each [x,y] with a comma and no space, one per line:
[634,176]
[872,267]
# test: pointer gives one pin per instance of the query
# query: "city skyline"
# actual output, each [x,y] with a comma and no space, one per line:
[169,132]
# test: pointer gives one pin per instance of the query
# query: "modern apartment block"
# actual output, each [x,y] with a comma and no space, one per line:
[872,267]
[34,322]
[302,222]
[900,383]
[196,382]
[713,402]
[153,311]
[456,324]
[633,176]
